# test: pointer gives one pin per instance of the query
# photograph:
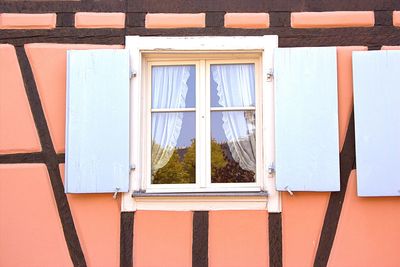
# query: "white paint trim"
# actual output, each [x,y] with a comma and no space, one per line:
[257,109]
[164,110]
[200,203]
[140,46]
[203,130]
[184,188]
[203,124]
[202,43]
[274,197]
[135,119]
[147,87]
[232,108]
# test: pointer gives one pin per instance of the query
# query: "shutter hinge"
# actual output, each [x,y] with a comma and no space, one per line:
[132,167]
[271,169]
[132,74]
[270,75]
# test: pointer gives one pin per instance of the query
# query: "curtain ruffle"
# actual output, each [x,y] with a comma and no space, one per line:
[235,88]
[171,85]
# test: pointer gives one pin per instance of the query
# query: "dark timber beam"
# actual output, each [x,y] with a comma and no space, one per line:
[126,239]
[200,239]
[332,215]
[50,159]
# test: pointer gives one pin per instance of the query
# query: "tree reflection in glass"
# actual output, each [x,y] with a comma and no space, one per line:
[238,167]
[233,126]
[180,166]
[173,129]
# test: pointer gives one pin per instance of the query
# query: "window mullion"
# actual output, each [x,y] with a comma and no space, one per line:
[199,126]
[207,122]
[205,126]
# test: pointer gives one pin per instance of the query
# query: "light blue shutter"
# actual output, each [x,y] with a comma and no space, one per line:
[97,130]
[376,77]
[306,119]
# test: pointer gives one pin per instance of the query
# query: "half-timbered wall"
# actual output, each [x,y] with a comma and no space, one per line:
[42,226]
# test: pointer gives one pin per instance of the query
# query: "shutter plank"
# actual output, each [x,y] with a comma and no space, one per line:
[376,78]
[97,130]
[306,119]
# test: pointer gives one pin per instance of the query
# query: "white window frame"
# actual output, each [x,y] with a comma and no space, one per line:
[138,47]
[203,119]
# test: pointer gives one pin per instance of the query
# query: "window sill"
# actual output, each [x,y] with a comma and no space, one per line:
[202,194]
[200,201]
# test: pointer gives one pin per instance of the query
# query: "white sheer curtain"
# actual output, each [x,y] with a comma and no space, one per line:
[235,88]
[169,89]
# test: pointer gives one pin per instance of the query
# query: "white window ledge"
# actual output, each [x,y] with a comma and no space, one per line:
[200,201]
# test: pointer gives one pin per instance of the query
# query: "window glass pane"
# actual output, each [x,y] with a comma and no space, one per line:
[191,93]
[173,86]
[232,85]
[233,147]
[173,150]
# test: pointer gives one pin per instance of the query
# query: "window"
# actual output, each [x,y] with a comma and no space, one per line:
[199,122]
[203,112]
[202,123]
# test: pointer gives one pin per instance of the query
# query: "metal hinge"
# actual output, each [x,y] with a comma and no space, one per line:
[132,168]
[271,169]
[270,75]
